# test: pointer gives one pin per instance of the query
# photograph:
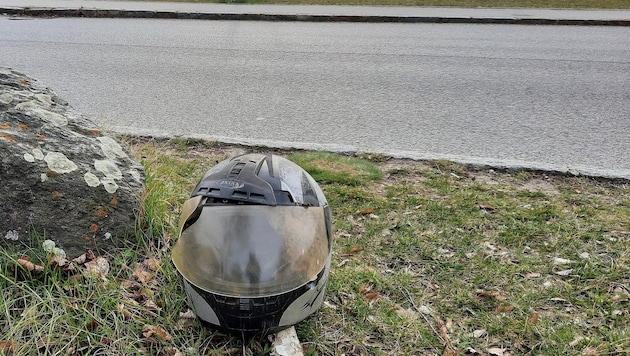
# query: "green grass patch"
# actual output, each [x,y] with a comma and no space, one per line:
[429,258]
[327,167]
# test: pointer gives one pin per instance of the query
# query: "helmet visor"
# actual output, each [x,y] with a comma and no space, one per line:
[253,250]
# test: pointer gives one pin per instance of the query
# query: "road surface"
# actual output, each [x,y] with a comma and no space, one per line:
[548,97]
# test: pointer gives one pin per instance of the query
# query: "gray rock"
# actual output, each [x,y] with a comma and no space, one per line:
[61,178]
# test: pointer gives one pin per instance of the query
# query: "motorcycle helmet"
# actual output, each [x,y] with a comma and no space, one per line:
[255,245]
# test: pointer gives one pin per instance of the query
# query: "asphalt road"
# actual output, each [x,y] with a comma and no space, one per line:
[548,97]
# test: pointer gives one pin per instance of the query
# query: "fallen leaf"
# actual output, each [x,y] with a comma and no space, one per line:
[448,347]
[172,351]
[7,346]
[30,266]
[487,208]
[98,266]
[479,333]
[371,296]
[533,319]
[130,285]
[496,351]
[493,294]
[343,262]
[408,313]
[589,351]
[150,330]
[504,309]
[471,351]
[60,262]
[125,313]
[532,275]
[152,264]
[565,272]
[150,304]
[576,341]
[561,261]
[425,310]
[142,275]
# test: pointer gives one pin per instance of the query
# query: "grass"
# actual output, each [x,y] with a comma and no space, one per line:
[557,4]
[430,258]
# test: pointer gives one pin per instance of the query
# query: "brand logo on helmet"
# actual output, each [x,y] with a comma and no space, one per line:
[234,184]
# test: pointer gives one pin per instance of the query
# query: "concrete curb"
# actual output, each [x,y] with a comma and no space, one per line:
[117,13]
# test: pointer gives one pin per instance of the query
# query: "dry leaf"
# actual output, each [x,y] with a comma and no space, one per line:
[496,351]
[98,266]
[130,285]
[150,330]
[125,313]
[150,304]
[354,250]
[142,275]
[494,294]
[186,319]
[448,347]
[487,208]
[565,272]
[343,262]
[576,341]
[589,351]
[152,264]
[532,275]
[61,262]
[172,351]
[561,261]
[504,309]
[408,313]
[7,346]
[80,260]
[30,266]
[371,296]
[470,351]
[533,319]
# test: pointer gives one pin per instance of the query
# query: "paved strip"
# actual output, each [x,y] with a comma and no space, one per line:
[312,13]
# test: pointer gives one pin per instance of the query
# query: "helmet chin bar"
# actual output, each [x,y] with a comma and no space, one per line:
[260,314]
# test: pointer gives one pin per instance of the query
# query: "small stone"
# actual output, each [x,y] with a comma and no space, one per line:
[12,235]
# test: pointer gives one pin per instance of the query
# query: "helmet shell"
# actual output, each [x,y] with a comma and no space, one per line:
[255,244]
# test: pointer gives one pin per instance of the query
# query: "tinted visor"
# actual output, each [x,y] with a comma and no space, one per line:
[253,250]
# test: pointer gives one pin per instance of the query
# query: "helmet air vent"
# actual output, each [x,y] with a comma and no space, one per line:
[236,170]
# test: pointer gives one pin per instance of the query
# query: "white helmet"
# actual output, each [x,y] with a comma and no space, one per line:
[255,245]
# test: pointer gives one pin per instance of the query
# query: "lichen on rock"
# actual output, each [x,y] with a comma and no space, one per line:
[58,172]
[59,163]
